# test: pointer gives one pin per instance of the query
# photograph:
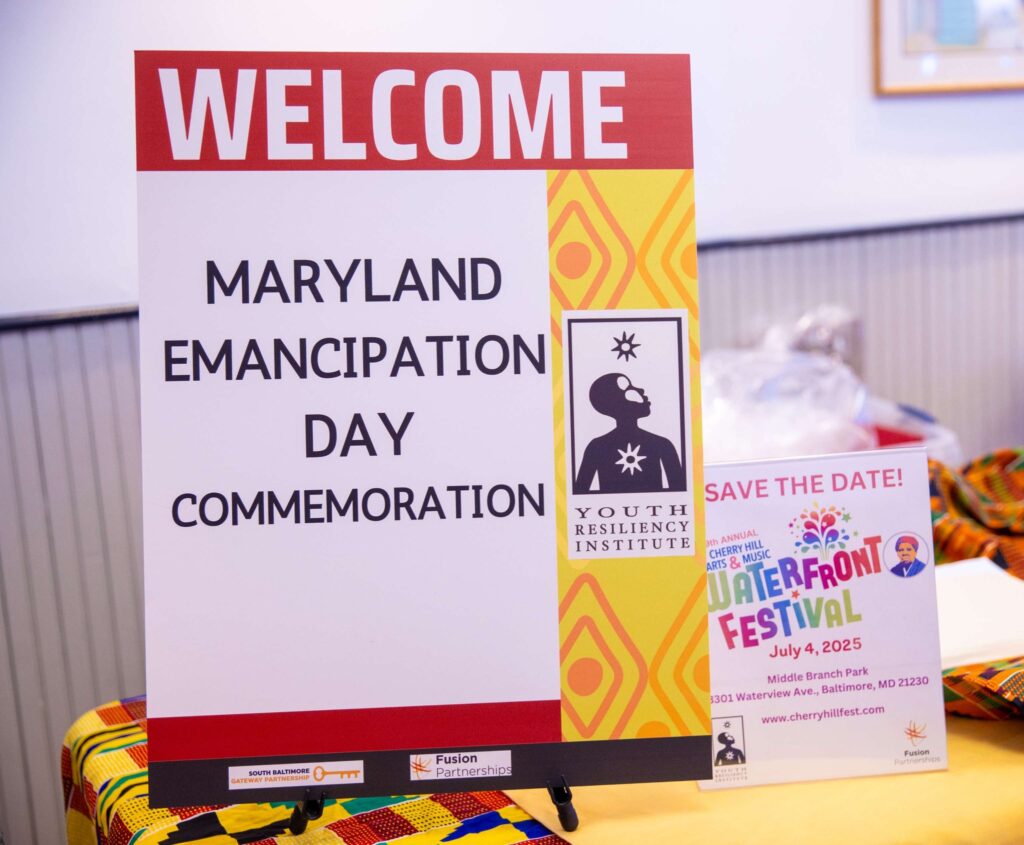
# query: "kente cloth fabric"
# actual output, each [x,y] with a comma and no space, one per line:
[992,690]
[978,511]
[106,802]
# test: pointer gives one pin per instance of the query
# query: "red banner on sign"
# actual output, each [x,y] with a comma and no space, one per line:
[421,111]
[329,731]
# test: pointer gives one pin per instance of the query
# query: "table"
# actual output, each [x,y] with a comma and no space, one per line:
[977,800]
[104,768]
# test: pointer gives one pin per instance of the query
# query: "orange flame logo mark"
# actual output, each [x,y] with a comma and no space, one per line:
[915,733]
[420,766]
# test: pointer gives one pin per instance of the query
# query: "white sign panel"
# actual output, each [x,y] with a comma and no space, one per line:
[360,277]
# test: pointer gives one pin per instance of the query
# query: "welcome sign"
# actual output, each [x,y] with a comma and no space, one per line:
[422,469]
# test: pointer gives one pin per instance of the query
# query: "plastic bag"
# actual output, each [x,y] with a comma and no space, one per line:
[768,403]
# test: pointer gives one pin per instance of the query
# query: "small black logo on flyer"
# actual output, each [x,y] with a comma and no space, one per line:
[729,741]
[626,404]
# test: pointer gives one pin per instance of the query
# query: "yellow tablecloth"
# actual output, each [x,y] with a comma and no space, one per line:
[979,799]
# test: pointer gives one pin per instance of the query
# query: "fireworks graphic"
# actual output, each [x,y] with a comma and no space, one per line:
[821,528]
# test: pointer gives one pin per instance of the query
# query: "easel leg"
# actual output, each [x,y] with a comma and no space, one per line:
[561,797]
[307,810]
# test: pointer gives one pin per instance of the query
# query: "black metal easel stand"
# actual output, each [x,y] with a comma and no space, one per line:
[311,808]
[561,797]
[307,810]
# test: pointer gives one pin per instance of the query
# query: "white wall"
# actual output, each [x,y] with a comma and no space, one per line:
[789,137]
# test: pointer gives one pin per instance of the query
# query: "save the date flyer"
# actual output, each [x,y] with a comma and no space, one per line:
[822,619]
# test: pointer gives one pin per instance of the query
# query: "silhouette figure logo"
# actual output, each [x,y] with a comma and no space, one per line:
[729,744]
[730,754]
[627,459]
[628,449]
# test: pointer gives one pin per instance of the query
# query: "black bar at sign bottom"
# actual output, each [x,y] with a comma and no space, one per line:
[197,782]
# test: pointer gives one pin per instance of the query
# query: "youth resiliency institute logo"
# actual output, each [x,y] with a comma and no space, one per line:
[729,755]
[628,449]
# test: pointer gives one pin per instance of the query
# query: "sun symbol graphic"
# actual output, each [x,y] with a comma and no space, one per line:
[630,459]
[625,347]
[915,734]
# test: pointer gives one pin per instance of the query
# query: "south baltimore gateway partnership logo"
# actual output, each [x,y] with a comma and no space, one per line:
[298,773]
[628,444]
[455,765]
[728,749]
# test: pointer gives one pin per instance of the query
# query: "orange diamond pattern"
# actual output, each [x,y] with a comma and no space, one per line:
[633,663]
[678,679]
[595,633]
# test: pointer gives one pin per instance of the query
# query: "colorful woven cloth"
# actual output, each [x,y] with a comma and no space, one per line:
[106,802]
[979,512]
[986,690]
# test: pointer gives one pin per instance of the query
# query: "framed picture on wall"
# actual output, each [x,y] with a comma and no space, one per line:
[935,46]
